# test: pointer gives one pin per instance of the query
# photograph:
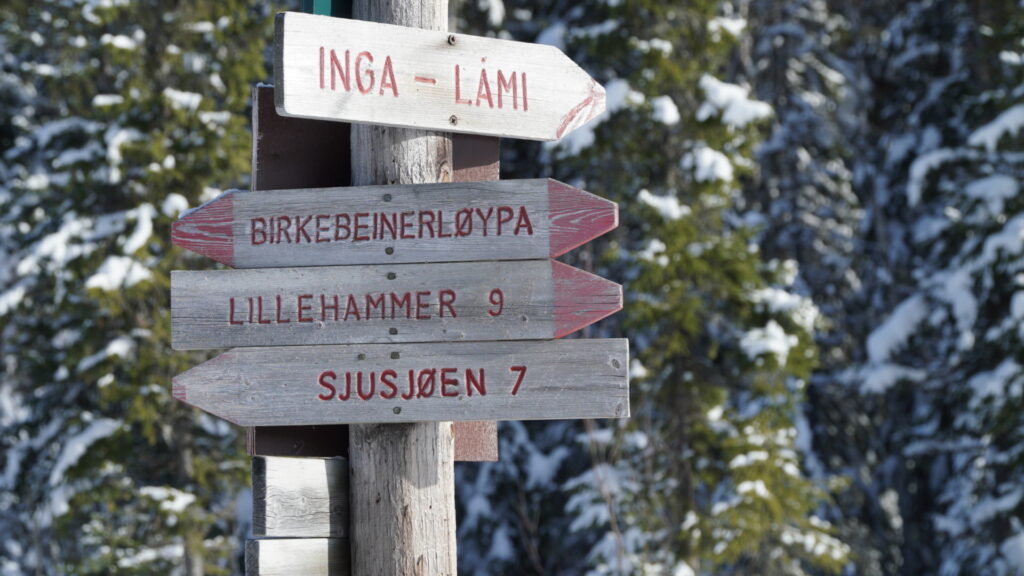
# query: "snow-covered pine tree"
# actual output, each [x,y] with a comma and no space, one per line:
[941,371]
[116,116]
[706,475]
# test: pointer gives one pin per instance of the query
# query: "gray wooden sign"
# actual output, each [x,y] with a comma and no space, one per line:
[291,556]
[386,383]
[299,497]
[496,300]
[510,220]
[338,69]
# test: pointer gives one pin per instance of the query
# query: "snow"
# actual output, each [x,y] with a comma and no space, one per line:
[776,300]
[541,468]
[181,100]
[683,569]
[119,41]
[668,206]
[1009,123]
[879,377]
[171,499]
[645,46]
[894,332]
[995,383]
[73,156]
[665,110]
[553,35]
[118,272]
[921,167]
[116,137]
[771,339]
[122,346]
[75,446]
[1013,549]
[731,101]
[144,215]
[655,252]
[994,191]
[101,100]
[173,205]
[501,545]
[147,555]
[733,26]
[747,459]
[755,486]
[708,165]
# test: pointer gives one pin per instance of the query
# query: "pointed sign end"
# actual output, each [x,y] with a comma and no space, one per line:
[179,390]
[577,217]
[581,298]
[207,230]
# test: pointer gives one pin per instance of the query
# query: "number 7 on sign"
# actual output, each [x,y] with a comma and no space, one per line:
[520,375]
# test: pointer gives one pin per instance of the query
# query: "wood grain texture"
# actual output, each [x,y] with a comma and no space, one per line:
[506,220]
[461,301]
[302,153]
[292,556]
[423,80]
[561,379]
[300,497]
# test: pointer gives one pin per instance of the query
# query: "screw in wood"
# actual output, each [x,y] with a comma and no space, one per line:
[451,39]
[396,410]
[361,357]
[453,120]
[392,275]
[392,331]
[615,364]
[389,250]
[395,355]
[387,197]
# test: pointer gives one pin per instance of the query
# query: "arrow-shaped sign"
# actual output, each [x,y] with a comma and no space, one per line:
[496,300]
[357,71]
[309,385]
[511,220]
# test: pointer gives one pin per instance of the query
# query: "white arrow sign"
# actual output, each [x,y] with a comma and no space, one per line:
[357,71]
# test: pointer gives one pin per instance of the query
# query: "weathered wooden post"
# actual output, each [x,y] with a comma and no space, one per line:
[402,475]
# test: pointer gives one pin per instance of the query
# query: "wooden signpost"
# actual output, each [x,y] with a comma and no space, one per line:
[457,301]
[384,383]
[366,72]
[518,219]
[399,309]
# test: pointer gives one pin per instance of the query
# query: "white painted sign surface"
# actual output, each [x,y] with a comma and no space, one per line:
[357,71]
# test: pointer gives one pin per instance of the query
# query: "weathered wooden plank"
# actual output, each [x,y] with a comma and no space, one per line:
[382,383]
[296,153]
[339,69]
[300,497]
[507,220]
[494,300]
[291,556]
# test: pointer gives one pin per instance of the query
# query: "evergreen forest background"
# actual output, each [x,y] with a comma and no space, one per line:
[822,247]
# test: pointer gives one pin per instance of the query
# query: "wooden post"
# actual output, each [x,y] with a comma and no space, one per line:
[402,475]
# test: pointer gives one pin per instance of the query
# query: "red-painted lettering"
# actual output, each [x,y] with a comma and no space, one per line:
[303,307]
[389,226]
[427,377]
[427,221]
[505,214]
[526,106]
[510,84]
[478,381]
[446,382]
[339,227]
[523,222]
[282,228]
[446,300]
[321,67]
[337,70]
[406,224]
[324,307]
[458,89]
[323,381]
[485,216]
[300,229]
[412,386]
[348,387]
[231,313]
[322,228]
[441,226]
[259,313]
[421,305]
[280,320]
[497,299]
[373,304]
[250,309]
[360,226]
[366,73]
[359,385]
[520,375]
[387,78]
[351,308]
[464,222]
[258,228]
[397,302]
[483,90]
[387,378]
